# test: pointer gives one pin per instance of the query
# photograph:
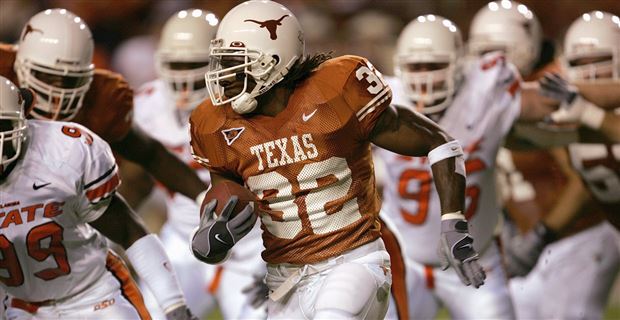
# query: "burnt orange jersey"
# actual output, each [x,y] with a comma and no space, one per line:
[107,106]
[310,165]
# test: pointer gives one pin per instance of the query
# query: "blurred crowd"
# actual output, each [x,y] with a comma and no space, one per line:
[126,32]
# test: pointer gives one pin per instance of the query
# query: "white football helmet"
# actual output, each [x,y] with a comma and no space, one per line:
[430,39]
[593,35]
[54,58]
[185,41]
[13,127]
[507,26]
[268,38]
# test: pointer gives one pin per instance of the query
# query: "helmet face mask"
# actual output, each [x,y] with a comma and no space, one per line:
[231,64]
[256,45]
[429,62]
[182,58]
[592,48]
[13,129]
[54,58]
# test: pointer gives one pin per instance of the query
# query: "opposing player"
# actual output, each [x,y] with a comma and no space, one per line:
[162,108]
[544,189]
[296,130]
[57,198]
[593,64]
[68,87]
[477,103]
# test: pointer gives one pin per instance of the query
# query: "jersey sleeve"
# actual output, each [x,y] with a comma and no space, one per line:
[206,149]
[507,87]
[100,178]
[108,105]
[7,59]
[366,93]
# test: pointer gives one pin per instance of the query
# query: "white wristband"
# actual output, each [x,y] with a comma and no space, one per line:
[448,150]
[452,215]
[591,116]
[149,259]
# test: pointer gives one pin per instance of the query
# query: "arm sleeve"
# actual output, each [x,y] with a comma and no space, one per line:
[108,106]
[206,149]
[366,93]
[100,178]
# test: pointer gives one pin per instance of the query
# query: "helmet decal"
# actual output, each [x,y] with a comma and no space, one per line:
[270,25]
[30,29]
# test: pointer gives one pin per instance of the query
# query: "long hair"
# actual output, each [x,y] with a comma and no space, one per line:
[304,68]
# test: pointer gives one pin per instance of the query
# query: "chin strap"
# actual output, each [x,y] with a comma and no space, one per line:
[244,104]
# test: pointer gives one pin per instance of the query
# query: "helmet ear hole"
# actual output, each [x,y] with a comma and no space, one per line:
[276,58]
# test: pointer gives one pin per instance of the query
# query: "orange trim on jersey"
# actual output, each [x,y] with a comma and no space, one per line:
[514,87]
[104,189]
[30,307]
[430,278]
[397,261]
[215,283]
[129,289]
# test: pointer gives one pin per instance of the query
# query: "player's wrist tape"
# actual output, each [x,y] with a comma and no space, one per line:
[592,116]
[448,150]
[149,259]
[453,215]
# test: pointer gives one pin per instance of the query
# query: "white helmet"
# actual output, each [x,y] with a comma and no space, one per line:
[594,35]
[508,26]
[54,58]
[269,39]
[430,39]
[186,38]
[11,109]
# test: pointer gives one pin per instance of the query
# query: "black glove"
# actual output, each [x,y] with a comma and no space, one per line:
[457,251]
[257,291]
[215,236]
[521,251]
[180,313]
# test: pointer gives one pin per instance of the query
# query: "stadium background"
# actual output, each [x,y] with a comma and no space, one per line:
[126,32]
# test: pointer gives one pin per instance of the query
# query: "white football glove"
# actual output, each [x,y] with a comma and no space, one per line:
[521,251]
[457,251]
[573,107]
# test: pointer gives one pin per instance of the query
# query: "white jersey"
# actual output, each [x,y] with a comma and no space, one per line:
[155,112]
[62,181]
[481,114]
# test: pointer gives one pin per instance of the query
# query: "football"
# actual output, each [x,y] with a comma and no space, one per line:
[223,191]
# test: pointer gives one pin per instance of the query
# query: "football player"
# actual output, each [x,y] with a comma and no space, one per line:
[296,130]
[54,58]
[57,202]
[162,108]
[588,63]
[544,194]
[477,103]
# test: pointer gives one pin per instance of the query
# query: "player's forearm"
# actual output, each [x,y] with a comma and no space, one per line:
[567,207]
[611,126]
[120,223]
[138,147]
[137,183]
[573,197]
[450,185]
[174,174]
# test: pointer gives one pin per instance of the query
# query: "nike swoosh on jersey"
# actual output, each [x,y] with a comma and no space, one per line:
[305,117]
[35,187]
